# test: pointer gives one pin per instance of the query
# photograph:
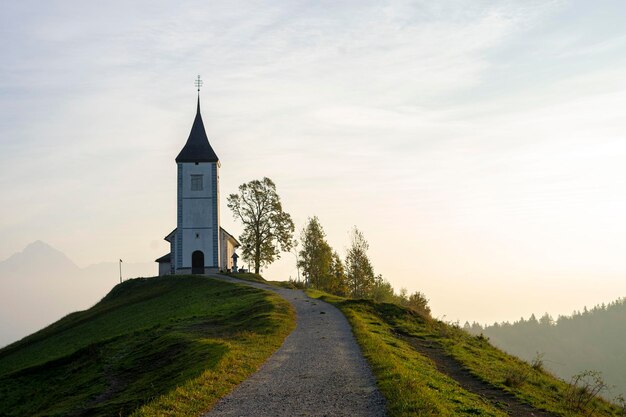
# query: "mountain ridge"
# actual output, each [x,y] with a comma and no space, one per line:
[41,284]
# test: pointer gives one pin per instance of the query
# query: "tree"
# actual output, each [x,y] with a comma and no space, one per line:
[418,302]
[339,281]
[268,230]
[403,298]
[382,291]
[546,320]
[316,256]
[358,266]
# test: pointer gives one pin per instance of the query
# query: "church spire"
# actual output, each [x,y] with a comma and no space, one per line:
[197,148]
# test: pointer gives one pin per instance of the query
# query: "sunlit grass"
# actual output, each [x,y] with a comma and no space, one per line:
[413,386]
[247,276]
[158,346]
[410,382]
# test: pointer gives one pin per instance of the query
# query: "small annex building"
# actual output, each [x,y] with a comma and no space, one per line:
[198,244]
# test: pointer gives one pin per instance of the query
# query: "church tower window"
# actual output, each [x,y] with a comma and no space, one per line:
[196,183]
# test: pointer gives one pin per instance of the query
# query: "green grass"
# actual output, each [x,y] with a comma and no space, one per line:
[247,276]
[157,346]
[413,386]
[290,285]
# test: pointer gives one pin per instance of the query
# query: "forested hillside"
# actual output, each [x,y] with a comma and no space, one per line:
[589,340]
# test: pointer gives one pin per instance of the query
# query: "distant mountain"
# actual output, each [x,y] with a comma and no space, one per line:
[40,284]
[589,340]
[33,257]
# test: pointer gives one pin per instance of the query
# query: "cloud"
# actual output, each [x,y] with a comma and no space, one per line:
[423,122]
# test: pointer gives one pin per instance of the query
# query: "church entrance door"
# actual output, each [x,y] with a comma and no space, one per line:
[197,262]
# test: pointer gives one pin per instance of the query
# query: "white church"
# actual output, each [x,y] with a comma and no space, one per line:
[198,245]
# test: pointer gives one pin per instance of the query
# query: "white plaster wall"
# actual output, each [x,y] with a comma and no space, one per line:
[219,222]
[227,248]
[198,214]
[224,265]
[203,168]
[191,244]
[172,254]
[230,249]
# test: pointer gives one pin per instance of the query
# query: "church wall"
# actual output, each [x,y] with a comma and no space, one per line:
[197,214]
[227,248]
[165,268]
[172,255]
[204,169]
[215,180]
[178,246]
[223,252]
[204,243]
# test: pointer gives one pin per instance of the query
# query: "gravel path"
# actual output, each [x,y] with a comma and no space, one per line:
[318,371]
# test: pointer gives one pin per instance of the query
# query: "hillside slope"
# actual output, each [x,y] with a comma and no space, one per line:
[430,368]
[166,345]
[172,346]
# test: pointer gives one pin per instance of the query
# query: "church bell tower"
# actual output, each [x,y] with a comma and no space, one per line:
[196,246]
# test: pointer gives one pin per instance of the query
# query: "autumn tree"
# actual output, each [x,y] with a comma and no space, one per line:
[359,270]
[267,229]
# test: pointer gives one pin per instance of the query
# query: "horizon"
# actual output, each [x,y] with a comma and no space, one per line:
[38,244]
[478,147]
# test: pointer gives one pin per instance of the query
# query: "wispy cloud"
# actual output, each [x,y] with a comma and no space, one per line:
[428,122]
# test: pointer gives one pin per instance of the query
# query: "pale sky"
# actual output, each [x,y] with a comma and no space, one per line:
[479,145]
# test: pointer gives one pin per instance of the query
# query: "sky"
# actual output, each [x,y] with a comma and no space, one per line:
[478,145]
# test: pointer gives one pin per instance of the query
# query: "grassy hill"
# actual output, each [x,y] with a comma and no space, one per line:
[427,367]
[171,346]
[157,346]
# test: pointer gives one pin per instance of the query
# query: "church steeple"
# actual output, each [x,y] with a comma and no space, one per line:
[197,148]
[198,244]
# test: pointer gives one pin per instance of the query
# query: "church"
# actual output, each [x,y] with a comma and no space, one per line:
[198,245]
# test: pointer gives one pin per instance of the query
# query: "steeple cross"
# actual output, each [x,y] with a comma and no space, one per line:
[198,83]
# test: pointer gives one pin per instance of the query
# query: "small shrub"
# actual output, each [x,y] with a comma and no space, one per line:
[418,303]
[537,362]
[299,285]
[482,338]
[621,403]
[583,388]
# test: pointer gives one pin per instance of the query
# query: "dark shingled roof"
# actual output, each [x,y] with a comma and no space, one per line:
[164,259]
[170,235]
[197,148]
